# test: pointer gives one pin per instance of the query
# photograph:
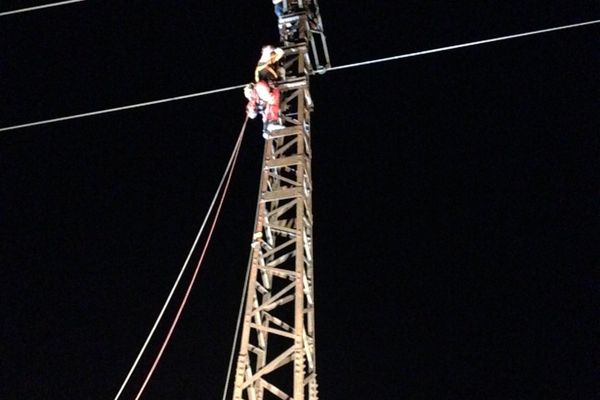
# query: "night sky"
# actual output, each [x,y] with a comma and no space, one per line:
[455,198]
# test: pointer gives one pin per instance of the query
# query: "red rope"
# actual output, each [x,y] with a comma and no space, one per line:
[191,284]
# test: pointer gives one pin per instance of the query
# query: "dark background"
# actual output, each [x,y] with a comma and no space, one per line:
[455,198]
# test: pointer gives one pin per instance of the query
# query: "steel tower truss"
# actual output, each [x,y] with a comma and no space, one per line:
[277,347]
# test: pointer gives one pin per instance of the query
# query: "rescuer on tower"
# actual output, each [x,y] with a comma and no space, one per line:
[262,99]
[263,95]
[267,68]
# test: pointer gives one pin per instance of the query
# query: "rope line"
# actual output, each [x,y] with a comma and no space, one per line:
[458,46]
[241,309]
[237,327]
[22,10]
[419,53]
[227,173]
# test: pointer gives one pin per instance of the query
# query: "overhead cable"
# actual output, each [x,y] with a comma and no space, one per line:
[225,179]
[22,10]
[335,68]
[110,110]
[458,46]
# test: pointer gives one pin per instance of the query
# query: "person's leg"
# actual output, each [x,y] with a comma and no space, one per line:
[263,91]
[275,105]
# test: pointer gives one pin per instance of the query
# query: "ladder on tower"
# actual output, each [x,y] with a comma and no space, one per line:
[276,357]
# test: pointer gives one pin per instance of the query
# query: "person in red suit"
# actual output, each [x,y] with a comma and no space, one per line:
[264,95]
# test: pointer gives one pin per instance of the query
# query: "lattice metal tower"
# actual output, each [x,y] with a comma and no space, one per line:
[277,346]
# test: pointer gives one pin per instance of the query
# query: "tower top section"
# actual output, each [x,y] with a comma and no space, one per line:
[300,23]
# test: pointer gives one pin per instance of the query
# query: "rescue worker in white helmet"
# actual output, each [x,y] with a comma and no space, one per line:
[267,68]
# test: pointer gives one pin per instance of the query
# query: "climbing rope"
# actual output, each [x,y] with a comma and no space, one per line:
[224,180]
[240,311]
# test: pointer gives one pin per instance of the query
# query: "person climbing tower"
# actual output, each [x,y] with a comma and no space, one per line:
[264,100]
[263,95]
[268,68]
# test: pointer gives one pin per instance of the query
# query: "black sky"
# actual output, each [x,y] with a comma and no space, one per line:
[455,199]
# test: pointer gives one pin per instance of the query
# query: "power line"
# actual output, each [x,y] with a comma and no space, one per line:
[22,10]
[458,46]
[109,110]
[339,67]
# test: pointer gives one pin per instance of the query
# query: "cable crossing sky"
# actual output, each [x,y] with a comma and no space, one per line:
[339,67]
[459,46]
[22,10]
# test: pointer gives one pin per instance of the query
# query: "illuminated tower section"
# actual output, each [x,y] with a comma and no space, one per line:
[277,345]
